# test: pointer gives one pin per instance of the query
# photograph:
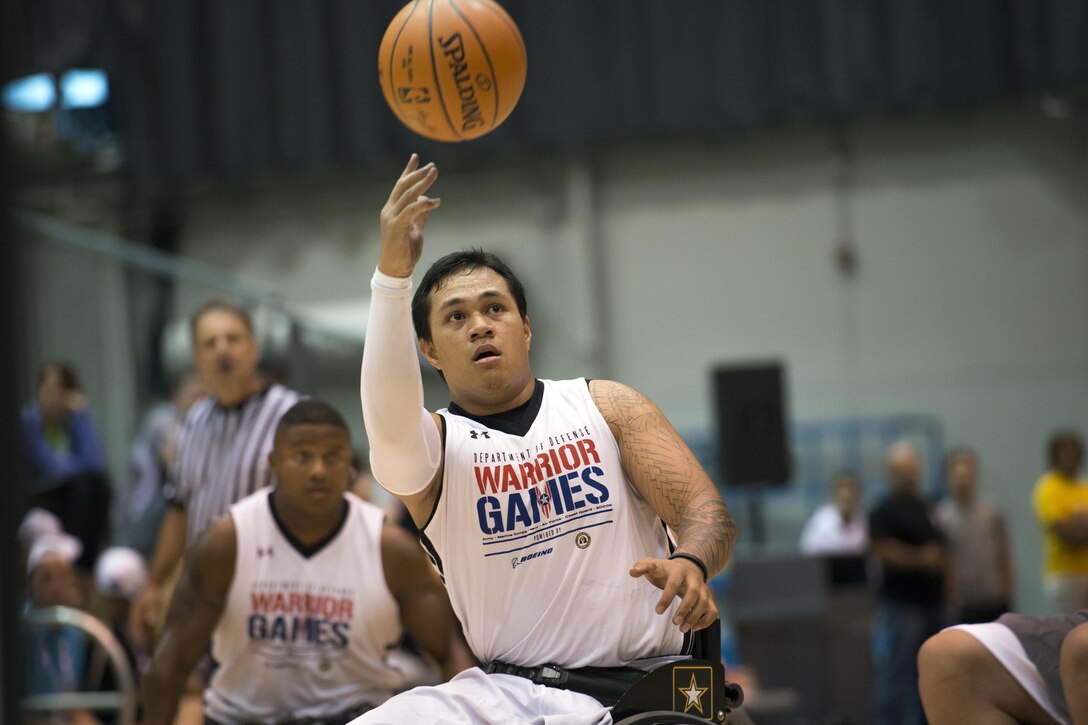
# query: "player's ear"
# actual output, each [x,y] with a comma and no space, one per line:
[426,347]
[528,330]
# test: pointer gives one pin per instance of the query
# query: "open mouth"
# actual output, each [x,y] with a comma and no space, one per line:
[485,354]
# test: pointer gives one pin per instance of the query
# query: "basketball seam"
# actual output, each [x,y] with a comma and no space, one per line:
[487,56]
[505,18]
[393,53]
[434,70]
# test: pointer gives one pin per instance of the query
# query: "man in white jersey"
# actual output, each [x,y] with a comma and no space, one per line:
[543,503]
[222,453]
[301,590]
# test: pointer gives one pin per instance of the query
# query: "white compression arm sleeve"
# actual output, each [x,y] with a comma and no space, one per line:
[405,445]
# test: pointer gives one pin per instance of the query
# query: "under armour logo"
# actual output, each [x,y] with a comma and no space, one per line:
[477,433]
[262,552]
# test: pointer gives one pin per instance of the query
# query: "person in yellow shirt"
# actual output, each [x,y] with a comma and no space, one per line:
[1061,504]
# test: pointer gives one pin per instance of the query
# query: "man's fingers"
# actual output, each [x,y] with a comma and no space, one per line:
[424,182]
[410,186]
[689,605]
[421,207]
[710,614]
[697,610]
[668,592]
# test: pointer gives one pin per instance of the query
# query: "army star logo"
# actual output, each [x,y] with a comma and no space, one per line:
[694,694]
[694,689]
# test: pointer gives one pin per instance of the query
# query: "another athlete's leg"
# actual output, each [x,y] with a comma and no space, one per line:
[1074,669]
[962,682]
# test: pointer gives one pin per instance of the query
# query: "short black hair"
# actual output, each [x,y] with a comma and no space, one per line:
[218,305]
[1059,440]
[310,411]
[466,260]
[957,453]
[68,378]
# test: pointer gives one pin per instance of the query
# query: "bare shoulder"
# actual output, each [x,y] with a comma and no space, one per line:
[613,397]
[397,544]
[402,557]
[218,545]
[621,406]
[209,566]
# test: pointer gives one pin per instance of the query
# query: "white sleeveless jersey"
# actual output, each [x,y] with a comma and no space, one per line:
[303,636]
[535,534]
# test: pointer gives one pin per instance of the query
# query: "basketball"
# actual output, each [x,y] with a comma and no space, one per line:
[452,70]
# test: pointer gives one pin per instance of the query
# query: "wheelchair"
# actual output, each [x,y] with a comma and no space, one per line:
[692,691]
[123,700]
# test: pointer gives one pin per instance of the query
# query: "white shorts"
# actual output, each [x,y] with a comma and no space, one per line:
[476,698]
[1005,646]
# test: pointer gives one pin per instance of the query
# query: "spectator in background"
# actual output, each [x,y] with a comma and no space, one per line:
[911,554]
[65,459]
[981,582]
[1061,505]
[119,575]
[223,446]
[55,656]
[141,496]
[36,523]
[838,527]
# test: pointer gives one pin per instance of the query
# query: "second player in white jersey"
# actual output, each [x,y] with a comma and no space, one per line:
[301,590]
[297,632]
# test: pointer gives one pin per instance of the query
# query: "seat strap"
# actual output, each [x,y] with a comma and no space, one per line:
[605,684]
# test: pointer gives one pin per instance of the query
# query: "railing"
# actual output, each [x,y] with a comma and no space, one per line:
[122,701]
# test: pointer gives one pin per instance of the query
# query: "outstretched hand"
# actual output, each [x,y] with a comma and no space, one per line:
[403,218]
[680,578]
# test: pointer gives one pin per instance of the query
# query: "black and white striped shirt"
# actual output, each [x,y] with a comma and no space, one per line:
[223,455]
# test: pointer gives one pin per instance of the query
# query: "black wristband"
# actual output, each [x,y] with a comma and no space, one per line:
[694,560]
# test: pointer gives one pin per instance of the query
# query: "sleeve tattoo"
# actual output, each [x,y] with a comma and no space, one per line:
[666,474]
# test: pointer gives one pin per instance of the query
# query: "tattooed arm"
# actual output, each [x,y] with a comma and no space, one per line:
[664,471]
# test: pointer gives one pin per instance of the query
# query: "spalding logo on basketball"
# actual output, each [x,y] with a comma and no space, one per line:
[452,70]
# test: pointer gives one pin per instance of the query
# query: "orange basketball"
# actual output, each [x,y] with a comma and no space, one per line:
[452,70]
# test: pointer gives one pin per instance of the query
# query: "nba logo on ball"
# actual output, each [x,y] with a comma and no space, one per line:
[452,70]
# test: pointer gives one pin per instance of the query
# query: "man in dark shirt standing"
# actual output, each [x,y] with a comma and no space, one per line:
[911,553]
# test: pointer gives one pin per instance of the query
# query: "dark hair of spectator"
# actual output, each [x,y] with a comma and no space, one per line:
[68,378]
[1060,440]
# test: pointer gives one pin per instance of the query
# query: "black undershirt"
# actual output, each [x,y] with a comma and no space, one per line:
[308,550]
[516,421]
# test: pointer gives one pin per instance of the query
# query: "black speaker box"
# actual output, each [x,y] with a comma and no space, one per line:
[751,406]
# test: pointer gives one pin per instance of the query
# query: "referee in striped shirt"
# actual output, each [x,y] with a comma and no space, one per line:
[223,447]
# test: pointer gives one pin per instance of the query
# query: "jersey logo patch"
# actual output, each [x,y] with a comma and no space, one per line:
[582,540]
[263,552]
[479,434]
